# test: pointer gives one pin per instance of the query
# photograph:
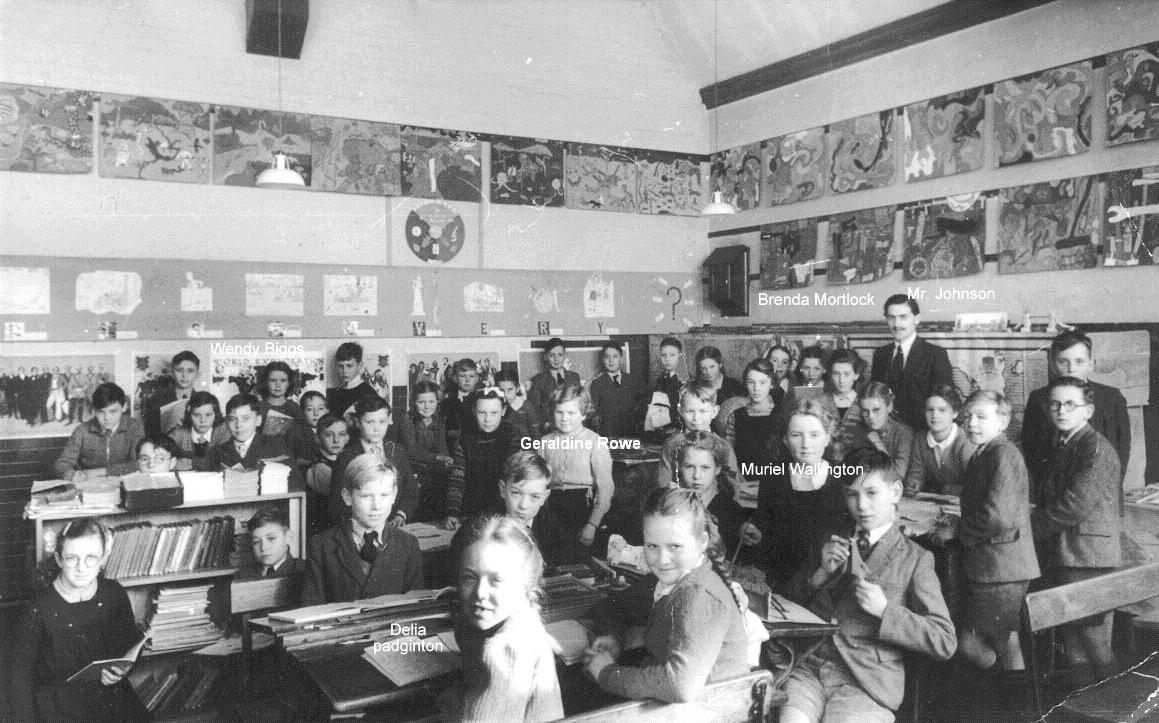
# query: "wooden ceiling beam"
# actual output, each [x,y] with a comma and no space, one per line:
[917,28]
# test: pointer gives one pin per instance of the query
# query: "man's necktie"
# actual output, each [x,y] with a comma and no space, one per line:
[369,550]
[938,456]
[896,367]
[267,571]
[200,448]
[616,380]
[558,378]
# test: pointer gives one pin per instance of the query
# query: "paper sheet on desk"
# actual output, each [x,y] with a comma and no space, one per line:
[410,659]
[767,609]
[429,536]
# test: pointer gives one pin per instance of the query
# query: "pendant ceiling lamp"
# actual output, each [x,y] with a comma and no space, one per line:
[717,206]
[280,175]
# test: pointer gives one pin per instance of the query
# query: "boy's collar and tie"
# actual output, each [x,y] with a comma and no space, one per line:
[942,449]
[269,570]
[558,376]
[368,541]
[243,446]
[615,378]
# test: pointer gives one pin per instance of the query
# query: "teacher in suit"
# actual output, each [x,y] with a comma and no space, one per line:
[909,365]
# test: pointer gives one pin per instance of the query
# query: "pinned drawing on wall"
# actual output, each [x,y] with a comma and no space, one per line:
[1043,115]
[526,171]
[349,295]
[943,136]
[599,297]
[794,167]
[108,292]
[860,152]
[153,376]
[47,394]
[377,358]
[24,290]
[154,139]
[860,244]
[245,140]
[479,296]
[1050,226]
[788,254]
[945,239]
[1131,239]
[671,183]
[600,178]
[436,367]
[1133,94]
[441,233]
[195,295]
[46,130]
[545,299]
[416,306]
[356,156]
[275,295]
[439,163]
[737,174]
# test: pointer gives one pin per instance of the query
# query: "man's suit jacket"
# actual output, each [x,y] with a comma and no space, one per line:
[915,618]
[539,395]
[405,501]
[997,545]
[336,572]
[618,412]
[225,454]
[1110,420]
[926,366]
[1077,503]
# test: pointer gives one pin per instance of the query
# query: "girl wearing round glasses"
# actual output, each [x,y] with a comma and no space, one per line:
[81,617]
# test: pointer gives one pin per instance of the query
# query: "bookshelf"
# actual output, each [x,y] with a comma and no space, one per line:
[140,587]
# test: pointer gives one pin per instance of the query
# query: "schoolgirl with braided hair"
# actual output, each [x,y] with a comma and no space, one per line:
[694,633]
[701,467]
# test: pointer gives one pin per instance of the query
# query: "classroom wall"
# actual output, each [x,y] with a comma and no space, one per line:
[538,68]
[1061,32]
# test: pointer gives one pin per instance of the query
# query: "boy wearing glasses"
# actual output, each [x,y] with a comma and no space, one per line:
[1076,518]
[1070,356]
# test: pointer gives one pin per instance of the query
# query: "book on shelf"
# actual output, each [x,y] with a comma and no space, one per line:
[92,672]
[178,618]
[202,486]
[142,548]
[274,478]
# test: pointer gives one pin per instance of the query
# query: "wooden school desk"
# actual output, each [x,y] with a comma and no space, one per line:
[330,652]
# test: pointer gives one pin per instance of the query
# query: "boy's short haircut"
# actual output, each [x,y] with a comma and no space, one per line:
[948,393]
[1081,384]
[466,364]
[1067,339]
[238,401]
[552,343]
[158,440]
[268,516]
[702,390]
[571,391]
[815,352]
[348,350]
[522,466]
[329,419]
[365,468]
[370,403]
[998,399]
[506,375]
[107,394]
[876,390]
[898,299]
[307,396]
[611,345]
[867,461]
[672,342]
[186,355]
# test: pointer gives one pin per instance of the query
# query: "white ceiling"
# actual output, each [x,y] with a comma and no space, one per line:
[756,33]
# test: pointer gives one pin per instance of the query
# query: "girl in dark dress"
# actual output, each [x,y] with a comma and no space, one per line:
[80,618]
[801,503]
[755,430]
[700,463]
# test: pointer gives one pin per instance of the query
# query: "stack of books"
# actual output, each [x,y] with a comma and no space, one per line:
[275,478]
[101,493]
[200,486]
[51,496]
[141,548]
[179,619]
[242,482]
[151,491]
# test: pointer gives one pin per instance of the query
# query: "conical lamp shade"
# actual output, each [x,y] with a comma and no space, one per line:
[718,206]
[280,175]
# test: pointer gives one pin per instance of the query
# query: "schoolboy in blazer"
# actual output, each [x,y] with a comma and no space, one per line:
[243,419]
[364,557]
[546,382]
[924,365]
[615,396]
[897,572]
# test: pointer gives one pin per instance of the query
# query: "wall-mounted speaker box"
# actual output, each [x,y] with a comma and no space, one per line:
[261,37]
[727,279]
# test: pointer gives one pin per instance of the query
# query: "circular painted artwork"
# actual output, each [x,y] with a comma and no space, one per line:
[434,232]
